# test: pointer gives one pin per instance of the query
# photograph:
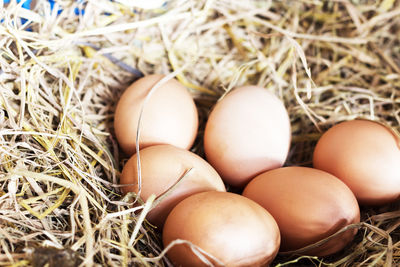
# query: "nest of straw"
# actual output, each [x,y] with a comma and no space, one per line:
[63,70]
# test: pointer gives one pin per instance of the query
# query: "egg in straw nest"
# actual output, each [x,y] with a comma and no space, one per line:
[64,65]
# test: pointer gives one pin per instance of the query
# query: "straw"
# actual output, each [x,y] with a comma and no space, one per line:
[62,73]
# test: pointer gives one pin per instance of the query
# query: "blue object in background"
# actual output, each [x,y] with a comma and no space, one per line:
[26,4]
[51,2]
[78,11]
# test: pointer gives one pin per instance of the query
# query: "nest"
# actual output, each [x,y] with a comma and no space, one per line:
[64,66]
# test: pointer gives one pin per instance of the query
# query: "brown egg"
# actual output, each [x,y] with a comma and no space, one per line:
[308,205]
[169,116]
[365,155]
[161,167]
[247,132]
[232,228]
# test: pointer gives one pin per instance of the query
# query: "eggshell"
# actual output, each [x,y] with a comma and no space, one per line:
[161,167]
[232,228]
[308,205]
[247,132]
[365,155]
[169,116]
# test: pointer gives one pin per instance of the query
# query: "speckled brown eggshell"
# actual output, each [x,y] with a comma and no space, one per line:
[161,167]
[169,116]
[308,205]
[365,155]
[247,132]
[235,230]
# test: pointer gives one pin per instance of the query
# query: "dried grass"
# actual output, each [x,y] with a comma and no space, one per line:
[61,76]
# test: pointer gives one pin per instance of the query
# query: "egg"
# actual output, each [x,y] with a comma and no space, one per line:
[308,205]
[162,166]
[247,132]
[365,155]
[169,115]
[235,230]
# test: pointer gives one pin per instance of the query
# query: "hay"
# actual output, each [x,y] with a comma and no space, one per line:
[61,76]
